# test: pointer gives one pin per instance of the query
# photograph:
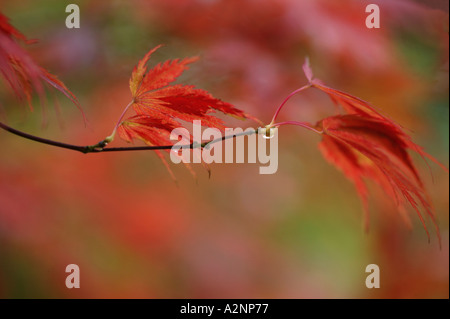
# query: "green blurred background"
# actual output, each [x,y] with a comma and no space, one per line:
[295,234]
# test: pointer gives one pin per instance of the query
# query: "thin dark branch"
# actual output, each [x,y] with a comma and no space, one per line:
[135,148]
[100,147]
[43,140]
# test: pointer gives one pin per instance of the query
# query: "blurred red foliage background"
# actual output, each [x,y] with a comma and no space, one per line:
[295,234]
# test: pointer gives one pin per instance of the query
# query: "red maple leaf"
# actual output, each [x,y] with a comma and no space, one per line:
[354,105]
[365,144]
[160,106]
[153,96]
[372,148]
[20,71]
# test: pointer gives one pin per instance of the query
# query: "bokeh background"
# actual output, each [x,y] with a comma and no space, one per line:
[295,234]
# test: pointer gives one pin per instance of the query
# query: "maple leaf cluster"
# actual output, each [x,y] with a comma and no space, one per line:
[360,141]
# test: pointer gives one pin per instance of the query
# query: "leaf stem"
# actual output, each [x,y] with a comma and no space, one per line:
[287,99]
[111,137]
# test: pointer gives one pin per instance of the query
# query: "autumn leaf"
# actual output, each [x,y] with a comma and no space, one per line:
[19,70]
[354,105]
[153,95]
[367,145]
[364,147]
[160,106]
